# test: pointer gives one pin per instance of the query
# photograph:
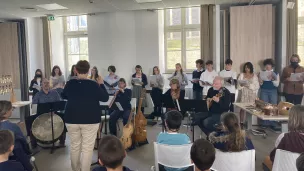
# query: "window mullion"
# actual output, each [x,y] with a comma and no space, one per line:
[183,34]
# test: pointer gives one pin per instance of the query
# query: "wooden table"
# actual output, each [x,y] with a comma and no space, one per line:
[251,112]
[21,105]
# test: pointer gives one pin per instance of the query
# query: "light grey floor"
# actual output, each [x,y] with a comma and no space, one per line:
[142,158]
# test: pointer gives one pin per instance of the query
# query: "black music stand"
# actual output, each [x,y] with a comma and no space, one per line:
[168,103]
[195,106]
[51,108]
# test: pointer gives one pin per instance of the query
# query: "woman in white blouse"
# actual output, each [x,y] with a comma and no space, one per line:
[248,86]
[57,79]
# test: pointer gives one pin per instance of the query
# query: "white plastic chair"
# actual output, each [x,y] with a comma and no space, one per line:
[231,161]
[285,160]
[176,156]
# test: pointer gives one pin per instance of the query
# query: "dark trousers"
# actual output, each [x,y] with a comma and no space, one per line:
[232,96]
[207,121]
[197,94]
[156,95]
[294,99]
[29,122]
[115,115]
[182,94]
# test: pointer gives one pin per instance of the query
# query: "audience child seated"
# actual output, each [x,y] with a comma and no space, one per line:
[292,141]
[6,110]
[231,138]
[173,122]
[111,154]
[202,155]
[300,162]
[6,148]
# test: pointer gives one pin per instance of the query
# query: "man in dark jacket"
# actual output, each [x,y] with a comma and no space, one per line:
[111,154]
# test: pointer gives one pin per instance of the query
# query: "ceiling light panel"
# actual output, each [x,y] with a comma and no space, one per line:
[147,1]
[52,7]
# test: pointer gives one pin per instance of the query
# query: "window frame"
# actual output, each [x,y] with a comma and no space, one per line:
[72,34]
[183,28]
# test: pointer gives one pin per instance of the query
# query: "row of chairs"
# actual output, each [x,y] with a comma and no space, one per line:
[178,156]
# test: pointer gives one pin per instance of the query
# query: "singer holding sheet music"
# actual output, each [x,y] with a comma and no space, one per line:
[139,81]
[157,84]
[123,97]
[293,89]
[248,86]
[111,81]
[35,85]
[207,77]
[83,115]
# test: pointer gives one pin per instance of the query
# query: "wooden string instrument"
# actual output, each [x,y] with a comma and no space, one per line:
[210,100]
[140,122]
[127,131]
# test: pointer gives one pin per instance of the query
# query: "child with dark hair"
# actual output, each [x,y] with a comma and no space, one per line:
[300,162]
[173,122]
[6,148]
[196,75]
[202,155]
[111,154]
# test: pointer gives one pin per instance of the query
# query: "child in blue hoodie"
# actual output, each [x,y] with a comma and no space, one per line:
[111,154]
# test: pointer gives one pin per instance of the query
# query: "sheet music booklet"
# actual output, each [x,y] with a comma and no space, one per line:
[137,81]
[265,74]
[297,76]
[206,83]
[243,82]
[108,102]
[153,79]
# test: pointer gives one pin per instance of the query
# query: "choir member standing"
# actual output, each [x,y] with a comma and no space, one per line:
[208,76]
[82,115]
[139,81]
[182,78]
[57,79]
[230,78]
[293,90]
[196,75]
[111,81]
[73,74]
[35,85]
[94,74]
[248,86]
[157,92]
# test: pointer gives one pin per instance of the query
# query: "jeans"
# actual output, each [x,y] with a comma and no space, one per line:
[207,125]
[269,96]
[82,138]
[197,94]
[295,99]
[115,115]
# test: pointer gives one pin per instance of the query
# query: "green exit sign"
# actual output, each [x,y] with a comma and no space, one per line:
[51,18]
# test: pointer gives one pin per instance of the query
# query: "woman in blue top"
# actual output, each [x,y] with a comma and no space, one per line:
[231,138]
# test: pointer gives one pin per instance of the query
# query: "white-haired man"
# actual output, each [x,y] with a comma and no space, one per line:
[219,99]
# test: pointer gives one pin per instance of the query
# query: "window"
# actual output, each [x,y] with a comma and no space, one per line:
[182,37]
[76,40]
[301,30]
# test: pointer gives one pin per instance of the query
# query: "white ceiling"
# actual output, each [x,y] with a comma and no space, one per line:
[11,8]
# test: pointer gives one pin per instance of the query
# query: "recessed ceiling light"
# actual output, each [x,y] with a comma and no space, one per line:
[30,9]
[52,6]
[146,1]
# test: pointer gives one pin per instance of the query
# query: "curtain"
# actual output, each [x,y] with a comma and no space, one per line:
[292,31]
[207,32]
[46,47]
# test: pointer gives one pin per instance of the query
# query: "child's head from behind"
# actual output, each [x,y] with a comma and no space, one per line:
[6,142]
[111,152]
[173,120]
[202,154]
[300,162]
[6,109]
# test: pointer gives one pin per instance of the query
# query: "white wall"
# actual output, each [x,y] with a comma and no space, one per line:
[57,44]
[34,41]
[124,39]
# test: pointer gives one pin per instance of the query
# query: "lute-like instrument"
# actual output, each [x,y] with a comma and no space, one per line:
[127,131]
[140,135]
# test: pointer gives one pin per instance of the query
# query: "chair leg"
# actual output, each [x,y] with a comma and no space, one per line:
[101,128]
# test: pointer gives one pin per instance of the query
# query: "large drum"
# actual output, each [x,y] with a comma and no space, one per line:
[42,128]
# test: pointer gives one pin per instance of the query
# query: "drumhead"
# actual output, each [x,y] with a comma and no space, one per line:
[42,127]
